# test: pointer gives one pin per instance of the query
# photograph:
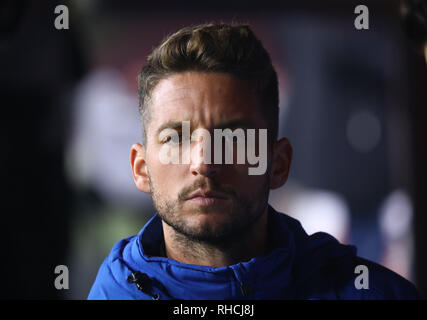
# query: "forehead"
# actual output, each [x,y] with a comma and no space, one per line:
[205,99]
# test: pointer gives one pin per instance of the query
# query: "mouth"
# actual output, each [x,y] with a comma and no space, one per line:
[207,198]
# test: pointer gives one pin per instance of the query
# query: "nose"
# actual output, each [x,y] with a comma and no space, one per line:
[202,160]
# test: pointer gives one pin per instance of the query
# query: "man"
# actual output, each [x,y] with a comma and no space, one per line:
[214,235]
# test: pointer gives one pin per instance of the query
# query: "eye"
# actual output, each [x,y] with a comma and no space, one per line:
[167,139]
[172,139]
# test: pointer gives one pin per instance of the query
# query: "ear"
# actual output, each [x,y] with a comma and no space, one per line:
[139,168]
[282,157]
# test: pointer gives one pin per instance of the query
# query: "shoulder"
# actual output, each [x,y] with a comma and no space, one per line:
[356,278]
[111,281]
[385,283]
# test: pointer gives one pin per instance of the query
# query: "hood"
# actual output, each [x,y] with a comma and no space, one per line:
[134,271]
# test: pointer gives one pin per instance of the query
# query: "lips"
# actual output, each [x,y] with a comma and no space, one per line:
[207,194]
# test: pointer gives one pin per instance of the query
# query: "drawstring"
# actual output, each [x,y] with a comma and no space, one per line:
[143,283]
[141,280]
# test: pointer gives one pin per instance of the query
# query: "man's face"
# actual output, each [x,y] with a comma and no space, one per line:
[209,101]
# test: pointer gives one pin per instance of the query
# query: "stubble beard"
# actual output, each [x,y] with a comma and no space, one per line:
[243,213]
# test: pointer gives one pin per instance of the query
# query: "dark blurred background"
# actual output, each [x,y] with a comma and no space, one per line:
[353,104]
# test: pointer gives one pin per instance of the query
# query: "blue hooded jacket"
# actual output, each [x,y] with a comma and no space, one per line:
[299,267]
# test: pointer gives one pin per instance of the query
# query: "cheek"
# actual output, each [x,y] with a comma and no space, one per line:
[257,191]
[164,176]
[247,185]
[165,179]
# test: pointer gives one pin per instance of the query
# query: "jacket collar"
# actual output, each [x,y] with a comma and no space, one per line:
[264,277]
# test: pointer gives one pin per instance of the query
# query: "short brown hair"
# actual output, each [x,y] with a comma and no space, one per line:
[225,48]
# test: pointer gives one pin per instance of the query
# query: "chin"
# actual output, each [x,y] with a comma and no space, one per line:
[208,225]
[213,218]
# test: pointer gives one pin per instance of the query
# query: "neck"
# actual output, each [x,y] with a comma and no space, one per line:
[254,242]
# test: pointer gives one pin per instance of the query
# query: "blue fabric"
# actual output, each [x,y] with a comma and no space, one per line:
[299,267]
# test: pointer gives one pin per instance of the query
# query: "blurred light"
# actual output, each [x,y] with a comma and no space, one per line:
[363,131]
[395,223]
[106,124]
[396,215]
[322,211]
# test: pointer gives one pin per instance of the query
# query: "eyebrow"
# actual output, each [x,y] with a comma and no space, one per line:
[169,125]
[237,123]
